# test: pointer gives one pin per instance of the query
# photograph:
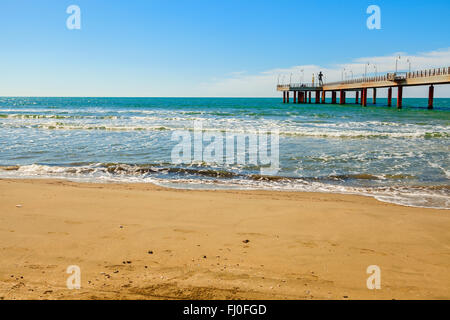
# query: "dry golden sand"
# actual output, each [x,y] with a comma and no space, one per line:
[301,245]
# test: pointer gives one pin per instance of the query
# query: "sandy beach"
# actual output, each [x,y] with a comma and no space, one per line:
[140,241]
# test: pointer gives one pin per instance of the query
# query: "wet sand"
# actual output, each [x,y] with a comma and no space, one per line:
[139,241]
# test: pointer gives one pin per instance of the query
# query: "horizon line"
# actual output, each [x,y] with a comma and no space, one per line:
[192,97]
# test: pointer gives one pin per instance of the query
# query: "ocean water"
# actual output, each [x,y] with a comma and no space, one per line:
[398,156]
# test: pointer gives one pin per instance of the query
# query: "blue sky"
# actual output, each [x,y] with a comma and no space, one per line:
[196,47]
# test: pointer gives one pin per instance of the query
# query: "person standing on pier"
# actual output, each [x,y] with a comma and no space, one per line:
[320,78]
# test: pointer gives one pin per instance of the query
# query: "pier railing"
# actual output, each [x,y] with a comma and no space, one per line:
[298,86]
[396,76]
[306,85]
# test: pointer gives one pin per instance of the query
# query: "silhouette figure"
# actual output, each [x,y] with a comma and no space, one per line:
[320,78]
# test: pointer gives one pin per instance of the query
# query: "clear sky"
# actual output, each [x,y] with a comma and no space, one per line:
[204,47]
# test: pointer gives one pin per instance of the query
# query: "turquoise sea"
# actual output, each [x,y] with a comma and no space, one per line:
[398,156]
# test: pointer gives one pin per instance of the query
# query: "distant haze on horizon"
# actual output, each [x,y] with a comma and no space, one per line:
[210,48]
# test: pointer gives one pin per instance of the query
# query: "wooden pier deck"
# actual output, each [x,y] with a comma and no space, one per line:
[431,77]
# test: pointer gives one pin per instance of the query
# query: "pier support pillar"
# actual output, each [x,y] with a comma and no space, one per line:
[399,97]
[301,97]
[374,99]
[323,96]
[309,96]
[333,97]
[284,96]
[364,97]
[390,97]
[295,97]
[317,96]
[430,97]
[357,97]
[342,97]
[287,96]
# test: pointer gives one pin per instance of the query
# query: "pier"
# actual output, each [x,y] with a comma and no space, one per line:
[361,87]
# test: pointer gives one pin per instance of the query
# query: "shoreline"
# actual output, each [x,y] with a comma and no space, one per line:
[300,245]
[211,187]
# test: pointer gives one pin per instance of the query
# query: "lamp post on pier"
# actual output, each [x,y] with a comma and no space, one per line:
[396,63]
[342,74]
